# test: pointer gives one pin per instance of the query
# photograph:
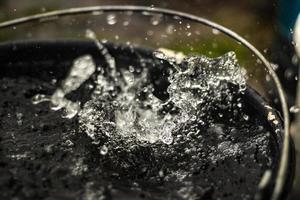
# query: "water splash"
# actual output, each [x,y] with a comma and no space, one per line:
[123,102]
[134,112]
[82,68]
[103,51]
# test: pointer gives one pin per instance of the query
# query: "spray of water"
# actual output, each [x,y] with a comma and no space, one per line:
[123,102]
[196,84]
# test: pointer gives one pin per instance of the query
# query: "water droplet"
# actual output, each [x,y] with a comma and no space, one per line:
[170,29]
[53,81]
[69,143]
[161,173]
[19,118]
[103,150]
[289,74]
[271,116]
[131,68]
[111,19]
[129,77]
[126,23]
[97,13]
[156,19]
[246,117]
[39,98]
[103,50]
[167,139]
[294,109]
[215,31]
[71,110]
[274,66]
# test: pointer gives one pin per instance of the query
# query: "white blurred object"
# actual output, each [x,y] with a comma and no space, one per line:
[296,36]
[296,40]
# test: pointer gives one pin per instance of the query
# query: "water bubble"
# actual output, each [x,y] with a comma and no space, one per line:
[194,118]
[167,139]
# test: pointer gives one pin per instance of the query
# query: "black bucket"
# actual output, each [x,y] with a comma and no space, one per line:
[48,60]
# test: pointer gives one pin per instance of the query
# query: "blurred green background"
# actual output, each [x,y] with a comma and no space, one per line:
[255,20]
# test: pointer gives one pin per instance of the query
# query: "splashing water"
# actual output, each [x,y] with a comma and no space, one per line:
[123,102]
[196,84]
[178,137]
[103,51]
[83,67]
